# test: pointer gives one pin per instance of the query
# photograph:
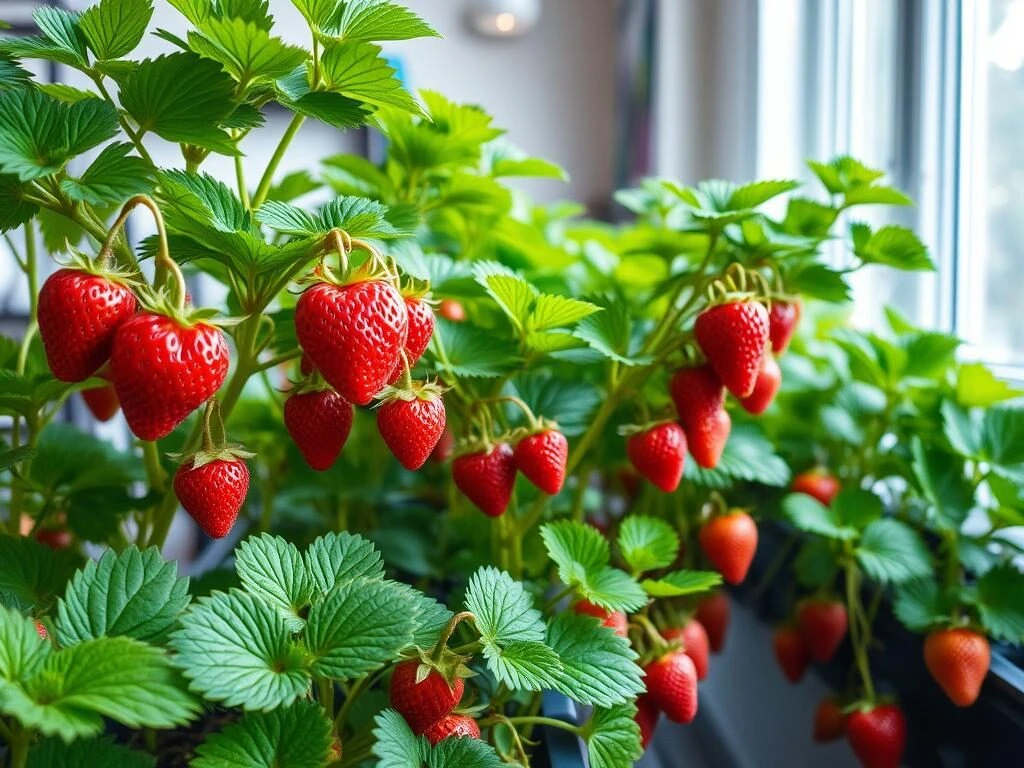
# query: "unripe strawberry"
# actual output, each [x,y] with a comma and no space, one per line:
[452,310]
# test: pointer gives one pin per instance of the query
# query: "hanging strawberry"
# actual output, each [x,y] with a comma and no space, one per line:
[411,419]
[319,421]
[658,451]
[699,398]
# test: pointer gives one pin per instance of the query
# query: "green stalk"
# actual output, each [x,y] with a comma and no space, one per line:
[860,635]
[268,175]
[18,746]
[32,275]
[539,720]
[325,692]
[135,136]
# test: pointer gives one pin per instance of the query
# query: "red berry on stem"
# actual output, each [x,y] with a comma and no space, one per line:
[421,329]
[958,659]
[782,318]
[714,612]
[822,625]
[791,653]
[733,337]
[730,541]
[647,714]
[699,398]
[672,686]
[411,421]
[425,702]
[615,620]
[818,483]
[695,642]
[212,493]
[658,454]
[542,457]
[319,422]
[487,478]
[878,736]
[769,379]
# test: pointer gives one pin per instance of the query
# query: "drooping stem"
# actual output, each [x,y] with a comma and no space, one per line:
[860,634]
[275,160]
[243,190]
[211,405]
[448,631]
[135,136]
[540,720]
[18,746]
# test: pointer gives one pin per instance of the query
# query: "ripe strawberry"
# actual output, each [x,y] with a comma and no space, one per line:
[822,625]
[452,310]
[41,630]
[212,492]
[101,402]
[699,398]
[79,313]
[452,726]
[782,320]
[713,613]
[658,453]
[769,378]
[444,448]
[647,714]
[319,421]
[411,421]
[55,538]
[878,736]
[541,457]
[729,541]
[958,659]
[425,702]
[818,483]
[353,334]
[615,620]
[829,721]
[163,369]
[695,642]
[734,337]
[672,686]
[791,653]
[487,478]
[421,328]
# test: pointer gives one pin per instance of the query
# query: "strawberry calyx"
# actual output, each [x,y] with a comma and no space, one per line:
[626,430]
[539,426]
[415,390]
[470,445]
[98,267]
[213,449]
[161,302]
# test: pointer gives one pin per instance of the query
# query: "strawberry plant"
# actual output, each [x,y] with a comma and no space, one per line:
[416,376]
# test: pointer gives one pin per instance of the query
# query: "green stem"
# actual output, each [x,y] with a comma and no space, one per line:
[268,175]
[539,720]
[18,746]
[243,191]
[135,136]
[325,692]
[446,633]
[860,634]
[672,316]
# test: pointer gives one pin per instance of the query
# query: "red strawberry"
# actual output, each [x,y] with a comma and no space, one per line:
[695,642]
[421,328]
[452,310]
[647,714]
[444,448]
[452,726]
[411,421]
[425,702]
[319,422]
[791,653]
[734,337]
[41,630]
[615,620]
[658,454]
[878,736]
[672,686]
[541,457]
[823,626]
[958,659]
[101,402]
[353,334]
[212,492]
[769,378]
[829,721]
[713,613]
[487,478]
[79,313]
[730,541]
[818,483]
[163,369]
[782,320]
[55,538]
[699,398]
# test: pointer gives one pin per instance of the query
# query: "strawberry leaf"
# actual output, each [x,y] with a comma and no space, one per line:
[550,311]
[111,677]
[892,552]
[465,351]
[103,752]
[22,651]
[844,173]
[523,665]
[272,568]
[395,745]
[512,293]
[598,667]
[375,20]
[977,386]
[647,543]
[245,50]
[358,627]
[465,753]
[919,605]
[237,649]
[611,333]
[809,514]
[504,610]
[679,583]
[113,28]
[582,556]
[296,736]
[357,70]
[894,246]
[136,594]
[31,574]
[613,737]
[758,192]
[113,176]
[1001,603]
[14,211]
[748,456]
[340,558]
[940,476]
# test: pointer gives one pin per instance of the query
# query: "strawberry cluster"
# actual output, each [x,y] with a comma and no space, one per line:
[425,696]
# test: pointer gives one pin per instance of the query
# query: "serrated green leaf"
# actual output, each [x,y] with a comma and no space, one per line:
[246,51]
[504,610]
[113,677]
[113,28]
[136,594]
[977,386]
[576,549]
[11,74]
[550,311]
[331,108]
[876,196]
[63,29]
[818,281]
[758,192]
[464,752]
[1003,435]
[522,665]
[39,134]
[919,605]
[895,246]
[512,293]
[808,218]
[114,176]
[14,211]
[103,752]
[359,71]
[941,478]
[340,558]
[1001,603]
[182,98]
[296,736]
[273,569]
[358,627]
[374,20]
[647,543]
[809,514]
[32,574]
[22,650]
[892,552]
[598,667]
[395,745]
[358,216]
[613,738]
[843,173]
[610,333]
[237,649]
[463,350]
[679,583]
